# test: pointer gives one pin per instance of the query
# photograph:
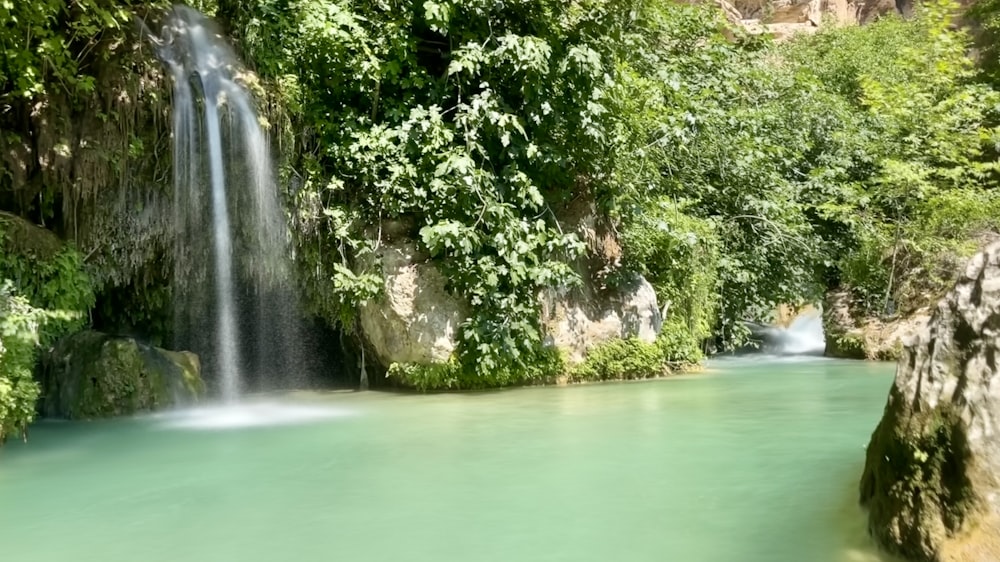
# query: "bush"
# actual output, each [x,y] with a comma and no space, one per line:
[19,335]
[44,295]
[679,255]
[542,369]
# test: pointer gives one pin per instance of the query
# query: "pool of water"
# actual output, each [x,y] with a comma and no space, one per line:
[753,460]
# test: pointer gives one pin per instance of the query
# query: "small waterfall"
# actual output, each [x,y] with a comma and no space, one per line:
[219,148]
[802,336]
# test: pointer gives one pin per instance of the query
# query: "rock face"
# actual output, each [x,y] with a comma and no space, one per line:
[932,475]
[579,319]
[95,375]
[784,18]
[851,337]
[415,320]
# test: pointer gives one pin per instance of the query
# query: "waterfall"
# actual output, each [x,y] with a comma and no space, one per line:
[231,255]
[802,336]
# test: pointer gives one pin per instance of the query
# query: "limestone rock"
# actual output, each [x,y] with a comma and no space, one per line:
[415,320]
[781,11]
[95,375]
[849,336]
[783,19]
[932,475]
[576,320]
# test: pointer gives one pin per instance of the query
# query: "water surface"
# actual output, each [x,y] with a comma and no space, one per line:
[752,461]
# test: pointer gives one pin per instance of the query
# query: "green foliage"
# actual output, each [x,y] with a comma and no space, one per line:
[542,368]
[44,294]
[917,153]
[470,119]
[679,345]
[472,123]
[626,359]
[621,360]
[56,283]
[19,327]
[679,255]
[43,43]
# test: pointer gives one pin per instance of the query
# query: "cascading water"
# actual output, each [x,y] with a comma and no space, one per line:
[220,148]
[802,336]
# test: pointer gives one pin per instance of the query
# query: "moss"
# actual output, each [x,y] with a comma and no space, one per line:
[93,375]
[848,345]
[915,481]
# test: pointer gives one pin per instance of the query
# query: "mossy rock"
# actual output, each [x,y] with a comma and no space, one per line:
[93,375]
[22,237]
[847,345]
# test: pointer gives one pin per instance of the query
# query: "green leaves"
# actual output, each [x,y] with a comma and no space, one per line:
[44,47]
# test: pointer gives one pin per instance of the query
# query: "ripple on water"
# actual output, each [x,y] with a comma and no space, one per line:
[267,413]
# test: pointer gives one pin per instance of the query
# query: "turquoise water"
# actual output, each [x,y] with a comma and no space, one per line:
[751,461]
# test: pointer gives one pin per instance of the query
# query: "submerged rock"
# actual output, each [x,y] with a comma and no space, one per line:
[932,474]
[95,375]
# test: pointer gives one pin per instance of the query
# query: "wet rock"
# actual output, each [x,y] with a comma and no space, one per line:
[931,480]
[94,375]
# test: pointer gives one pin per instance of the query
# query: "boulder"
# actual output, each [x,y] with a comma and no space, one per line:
[575,319]
[931,480]
[415,320]
[94,375]
[21,237]
[578,319]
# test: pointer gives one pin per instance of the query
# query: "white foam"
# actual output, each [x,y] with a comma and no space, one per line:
[803,336]
[249,414]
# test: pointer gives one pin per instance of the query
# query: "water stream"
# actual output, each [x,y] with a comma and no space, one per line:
[220,149]
[751,461]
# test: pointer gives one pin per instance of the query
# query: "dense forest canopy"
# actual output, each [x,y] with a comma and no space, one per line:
[733,172]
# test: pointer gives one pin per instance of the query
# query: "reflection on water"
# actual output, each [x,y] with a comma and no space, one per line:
[749,462]
[250,413]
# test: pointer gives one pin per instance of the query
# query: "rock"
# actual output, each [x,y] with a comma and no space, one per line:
[415,320]
[94,375]
[852,336]
[783,19]
[844,339]
[932,475]
[577,320]
[597,311]
[781,11]
[19,236]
